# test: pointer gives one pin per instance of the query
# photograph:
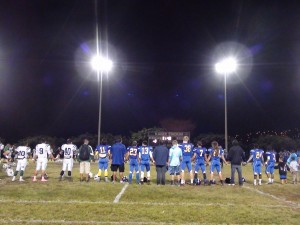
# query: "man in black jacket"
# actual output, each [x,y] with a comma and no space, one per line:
[161,156]
[236,155]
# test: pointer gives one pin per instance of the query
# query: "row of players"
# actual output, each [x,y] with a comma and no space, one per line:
[139,158]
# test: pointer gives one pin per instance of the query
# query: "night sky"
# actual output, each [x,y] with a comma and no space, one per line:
[164,53]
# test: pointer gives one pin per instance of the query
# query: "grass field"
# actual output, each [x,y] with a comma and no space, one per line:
[67,202]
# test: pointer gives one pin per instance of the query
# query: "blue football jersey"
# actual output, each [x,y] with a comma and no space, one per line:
[271,156]
[200,152]
[145,152]
[257,154]
[133,152]
[187,149]
[103,150]
[216,154]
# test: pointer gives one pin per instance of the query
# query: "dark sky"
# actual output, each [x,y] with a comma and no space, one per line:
[164,53]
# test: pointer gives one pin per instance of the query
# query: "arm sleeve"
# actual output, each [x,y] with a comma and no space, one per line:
[243,156]
[154,154]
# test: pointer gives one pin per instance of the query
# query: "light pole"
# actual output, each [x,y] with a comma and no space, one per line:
[100,65]
[226,67]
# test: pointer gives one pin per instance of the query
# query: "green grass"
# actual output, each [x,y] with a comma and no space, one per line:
[66,202]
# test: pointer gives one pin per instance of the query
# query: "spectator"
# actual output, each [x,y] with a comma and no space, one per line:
[161,156]
[236,155]
[282,170]
[175,157]
[85,156]
[1,149]
[118,153]
[292,155]
[294,166]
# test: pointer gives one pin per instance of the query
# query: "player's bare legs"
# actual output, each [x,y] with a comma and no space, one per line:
[121,175]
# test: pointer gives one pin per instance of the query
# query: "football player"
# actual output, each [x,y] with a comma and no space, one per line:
[133,162]
[42,151]
[103,151]
[187,153]
[68,151]
[145,154]
[21,155]
[199,153]
[257,155]
[216,153]
[270,164]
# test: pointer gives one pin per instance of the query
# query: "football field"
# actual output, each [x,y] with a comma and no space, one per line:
[68,202]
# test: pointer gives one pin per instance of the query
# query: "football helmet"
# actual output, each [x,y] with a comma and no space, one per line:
[9,172]
[125,179]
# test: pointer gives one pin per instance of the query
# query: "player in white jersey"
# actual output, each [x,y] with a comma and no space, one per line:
[41,156]
[69,151]
[21,155]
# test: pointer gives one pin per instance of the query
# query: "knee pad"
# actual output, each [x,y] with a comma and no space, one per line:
[69,173]
[62,173]
[259,176]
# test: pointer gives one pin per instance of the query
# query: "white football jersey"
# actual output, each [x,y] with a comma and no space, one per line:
[22,152]
[41,151]
[69,150]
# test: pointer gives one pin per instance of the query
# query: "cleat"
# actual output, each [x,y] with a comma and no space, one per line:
[44,180]
[21,180]
[34,179]
[14,178]
[60,178]
[106,179]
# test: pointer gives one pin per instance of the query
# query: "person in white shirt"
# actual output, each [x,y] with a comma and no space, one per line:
[21,155]
[42,151]
[175,157]
[69,150]
[294,167]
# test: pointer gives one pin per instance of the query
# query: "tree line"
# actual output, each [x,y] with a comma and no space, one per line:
[265,141]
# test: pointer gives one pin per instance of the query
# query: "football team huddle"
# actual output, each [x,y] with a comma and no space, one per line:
[179,158]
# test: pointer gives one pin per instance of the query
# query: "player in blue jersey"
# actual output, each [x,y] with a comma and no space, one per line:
[258,160]
[103,151]
[199,153]
[133,158]
[145,155]
[187,153]
[216,154]
[270,164]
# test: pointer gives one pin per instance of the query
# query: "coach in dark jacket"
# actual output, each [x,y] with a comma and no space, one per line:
[236,155]
[161,156]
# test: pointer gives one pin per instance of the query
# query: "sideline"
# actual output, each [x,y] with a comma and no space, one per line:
[293,204]
[139,203]
[117,199]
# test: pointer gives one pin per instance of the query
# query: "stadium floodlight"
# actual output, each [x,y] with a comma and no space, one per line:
[226,67]
[101,65]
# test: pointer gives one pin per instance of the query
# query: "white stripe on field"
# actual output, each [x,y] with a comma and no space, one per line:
[139,203]
[8,221]
[117,199]
[295,204]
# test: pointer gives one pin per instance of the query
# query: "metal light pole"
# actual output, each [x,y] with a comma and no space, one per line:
[101,65]
[226,67]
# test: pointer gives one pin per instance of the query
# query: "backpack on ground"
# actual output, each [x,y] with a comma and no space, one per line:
[84,153]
